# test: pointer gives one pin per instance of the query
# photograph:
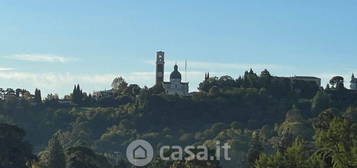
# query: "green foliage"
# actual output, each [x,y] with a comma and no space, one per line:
[195,164]
[56,157]
[157,89]
[322,121]
[337,82]
[351,114]
[14,151]
[119,84]
[320,102]
[226,110]
[295,156]
[337,144]
[77,95]
[82,157]
[213,91]
[255,149]
[295,125]
[38,98]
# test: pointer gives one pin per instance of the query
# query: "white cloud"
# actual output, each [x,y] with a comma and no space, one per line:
[6,69]
[40,58]
[62,83]
[48,80]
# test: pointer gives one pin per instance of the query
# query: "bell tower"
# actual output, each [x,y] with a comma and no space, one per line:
[160,64]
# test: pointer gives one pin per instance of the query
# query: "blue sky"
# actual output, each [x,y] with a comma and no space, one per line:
[53,45]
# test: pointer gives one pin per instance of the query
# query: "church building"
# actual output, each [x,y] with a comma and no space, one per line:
[175,86]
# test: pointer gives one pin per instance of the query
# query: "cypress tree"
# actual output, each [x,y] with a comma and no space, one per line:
[38,98]
[77,94]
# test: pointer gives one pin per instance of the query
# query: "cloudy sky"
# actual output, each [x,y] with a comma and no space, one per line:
[55,44]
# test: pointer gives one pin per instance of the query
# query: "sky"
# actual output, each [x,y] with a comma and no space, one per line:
[52,45]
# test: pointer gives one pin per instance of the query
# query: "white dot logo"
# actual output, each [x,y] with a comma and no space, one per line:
[139,153]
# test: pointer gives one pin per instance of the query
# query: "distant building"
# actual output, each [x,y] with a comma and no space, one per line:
[104,93]
[306,79]
[353,85]
[10,97]
[175,86]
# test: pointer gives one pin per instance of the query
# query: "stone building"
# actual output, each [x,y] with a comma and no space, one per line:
[175,86]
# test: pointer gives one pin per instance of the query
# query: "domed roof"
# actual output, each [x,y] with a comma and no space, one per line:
[175,74]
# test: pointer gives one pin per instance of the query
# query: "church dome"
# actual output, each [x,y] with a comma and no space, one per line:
[175,74]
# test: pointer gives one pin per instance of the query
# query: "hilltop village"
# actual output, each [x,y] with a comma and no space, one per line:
[175,85]
[256,113]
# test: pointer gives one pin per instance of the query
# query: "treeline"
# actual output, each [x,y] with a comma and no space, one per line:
[256,114]
[279,87]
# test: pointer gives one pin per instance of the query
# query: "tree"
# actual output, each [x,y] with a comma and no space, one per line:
[295,156]
[2,93]
[226,81]
[52,99]
[321,101]
[157,89]
[265,79]
[337,82]
[83,157]
[38,98]
[18,92]
[327,87]
[250,79]
[56,157]
[10,91]
[337,144]
[132,90]
[294,126]
[14,151]
[77,94]
[119,84]
[285,141]
[322,121]
[254,150]
[213,91]
[265,74]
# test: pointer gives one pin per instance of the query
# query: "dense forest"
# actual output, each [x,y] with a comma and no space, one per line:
[269,122]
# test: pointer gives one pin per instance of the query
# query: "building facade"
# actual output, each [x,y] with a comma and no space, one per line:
[104,93]
[306,79]
[175,86]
